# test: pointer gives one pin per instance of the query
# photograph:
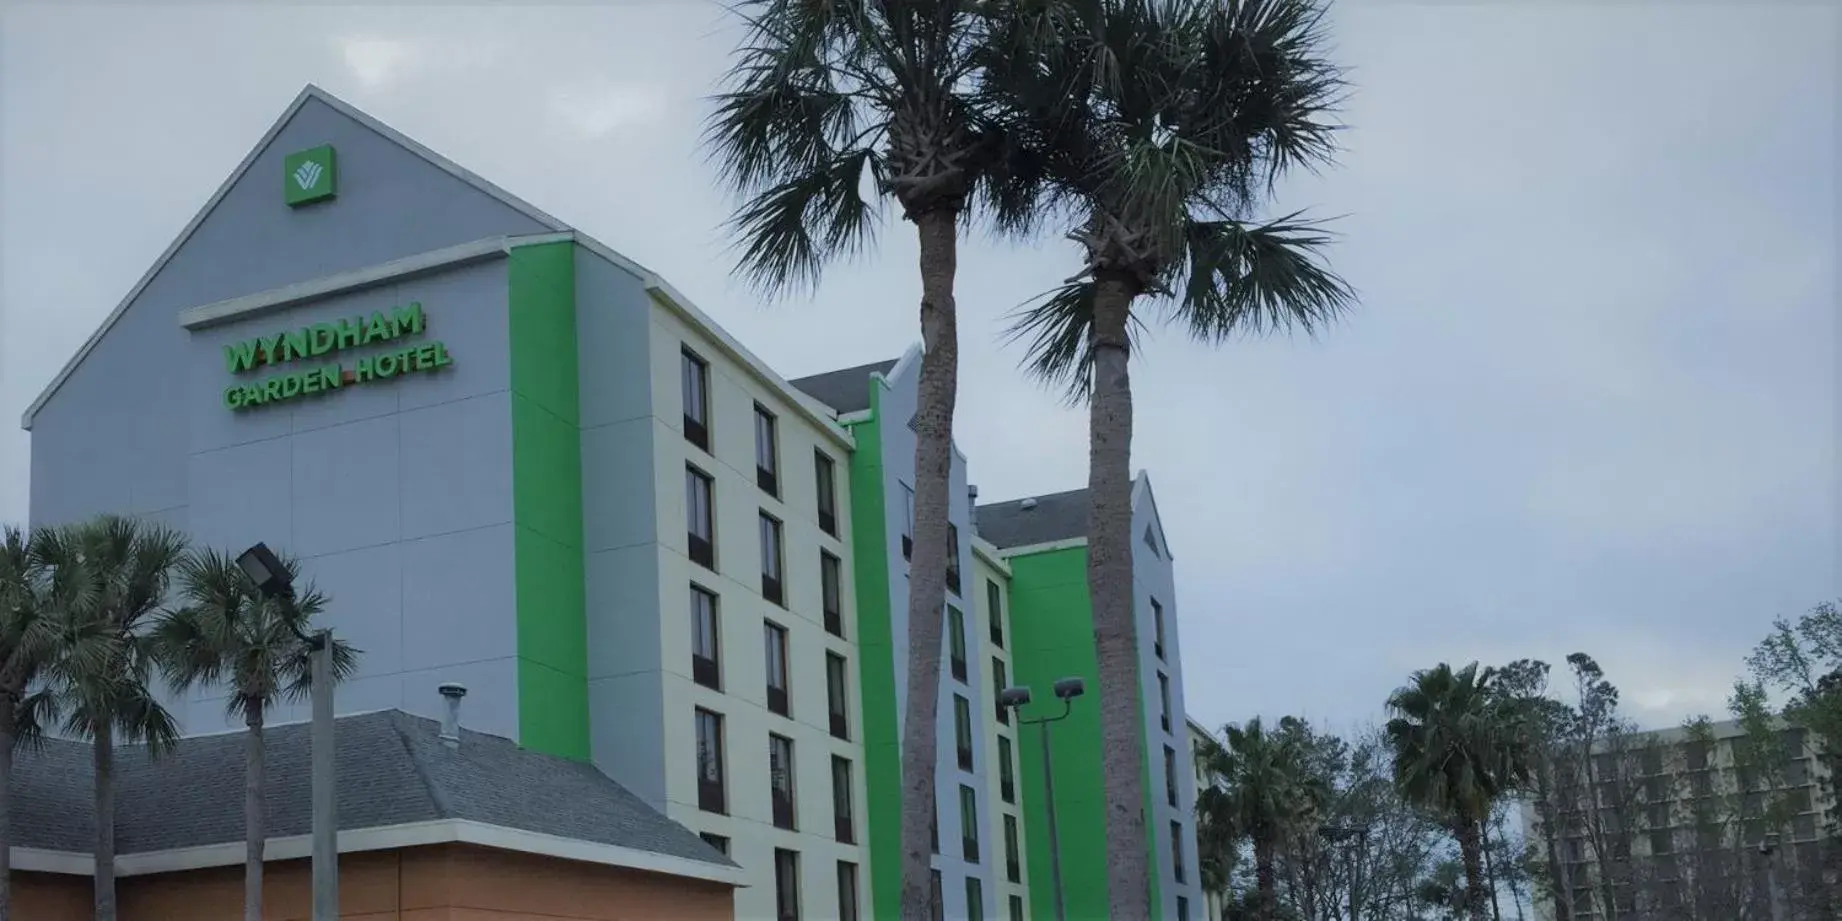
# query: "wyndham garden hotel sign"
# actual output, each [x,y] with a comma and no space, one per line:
[320,359]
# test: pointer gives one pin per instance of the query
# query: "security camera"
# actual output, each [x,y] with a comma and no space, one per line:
[1069,688]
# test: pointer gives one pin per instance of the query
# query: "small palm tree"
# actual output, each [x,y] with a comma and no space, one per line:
[224,632]
[29,597]
[1260,790]
[1458,746]
[1160,128]
[832,108]
[102,670]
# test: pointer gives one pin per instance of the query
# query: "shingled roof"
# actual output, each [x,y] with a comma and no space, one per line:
[1035,520]
[846,390]
[392,770]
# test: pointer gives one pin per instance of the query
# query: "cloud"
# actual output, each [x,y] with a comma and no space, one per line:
[376,61]
[601,108]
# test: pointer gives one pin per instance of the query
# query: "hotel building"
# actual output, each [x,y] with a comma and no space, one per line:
[519,461]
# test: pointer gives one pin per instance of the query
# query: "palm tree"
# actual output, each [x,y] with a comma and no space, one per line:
[104,665]
[226,631]
[30,594]
[1260,790]
[832,107]
[1160,127]
[1458,746]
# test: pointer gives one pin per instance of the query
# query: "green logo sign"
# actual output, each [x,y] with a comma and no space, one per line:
[310,175]
[322,339]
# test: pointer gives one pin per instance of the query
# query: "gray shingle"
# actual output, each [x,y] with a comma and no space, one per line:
[392,768]
[846,390]
[1057,516]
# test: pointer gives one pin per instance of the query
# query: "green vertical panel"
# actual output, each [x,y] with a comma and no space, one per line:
[547,501]
[881,721]
[1052,637]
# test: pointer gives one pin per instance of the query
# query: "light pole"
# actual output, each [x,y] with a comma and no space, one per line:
[1768,846]
[271,578]
[1357,852]
[1066,689]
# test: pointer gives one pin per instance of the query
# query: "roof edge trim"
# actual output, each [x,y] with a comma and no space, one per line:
[1045,547]
[274,299]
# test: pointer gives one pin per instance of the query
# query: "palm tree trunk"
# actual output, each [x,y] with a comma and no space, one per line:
[255,830]
[8,714]
[103,751]
[1471,849]
[927,582]
[1266,887]
[1109,585]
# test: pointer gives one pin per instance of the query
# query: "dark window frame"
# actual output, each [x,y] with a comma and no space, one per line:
[1176,851]
[1170,775]
[825,476]
[1007,772]
[908,522]
[999,676]
[975,899]
[720,842]
[843,806]
[693,368]
[777,645]
[712,794]
[969,823]
[962,731]
[849,896]
[1013,850]
[706,670]
[767,425]
[773,537]
[994,599]
[786,884]
[701,548]
[831,592]
[1164,701]
[956,643]
[784,802]
[952,558]
[838,695]
[1157,626]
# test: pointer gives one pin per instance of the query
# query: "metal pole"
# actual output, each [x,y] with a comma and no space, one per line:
[325,816]
[1055,842]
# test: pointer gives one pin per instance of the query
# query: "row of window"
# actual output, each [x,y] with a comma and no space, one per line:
[908,539]
[707,663]
[695,384]
[713,788]
[700,543]
[975,900]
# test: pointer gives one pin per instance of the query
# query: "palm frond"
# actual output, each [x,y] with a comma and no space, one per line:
[1058,331]
[789,232]
[1257,278]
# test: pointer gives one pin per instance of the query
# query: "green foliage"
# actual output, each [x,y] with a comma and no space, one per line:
[1159,130]
[1457,744]
[224,631]
[31,597]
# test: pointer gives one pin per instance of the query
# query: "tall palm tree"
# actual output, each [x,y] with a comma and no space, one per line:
[103,669]
[1161,127]
[224,631]
[1458,746]
[1259,791]
[30,594]
[832,108]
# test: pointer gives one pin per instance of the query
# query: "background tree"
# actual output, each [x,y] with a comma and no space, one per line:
[225,632]
[104,665]
[1457,748]
[30,595]
[830,108]
[1162,128]
[1257,790]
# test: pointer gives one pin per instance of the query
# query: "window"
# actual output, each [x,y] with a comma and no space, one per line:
[835,695]
[994,605]
[1176,850]
[1016,908]
[975,899]
[962,731]
[1151,540]
[771,559]
[847,891]
[933,829]
[953,558]
[1183,904]
[711,795]
[969,823]
[936,897]
[843,828]
[706,657]
[1170,775]
[780,780]
[1164,701]
[1013,864]
[774,640]
[1007,777]
[1157,629]
[908,521]
[767,452]
[998,681]
[786,885]
[956,642]
[699,523]
[827,474]
[831,592]
[716,841]
[695,383]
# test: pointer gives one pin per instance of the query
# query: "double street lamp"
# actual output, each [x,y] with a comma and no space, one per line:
[1015,698]
[266,571]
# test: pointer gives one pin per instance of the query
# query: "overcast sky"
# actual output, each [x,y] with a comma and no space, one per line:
[1588,401]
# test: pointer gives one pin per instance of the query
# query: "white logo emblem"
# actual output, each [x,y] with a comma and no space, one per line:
[307,174]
